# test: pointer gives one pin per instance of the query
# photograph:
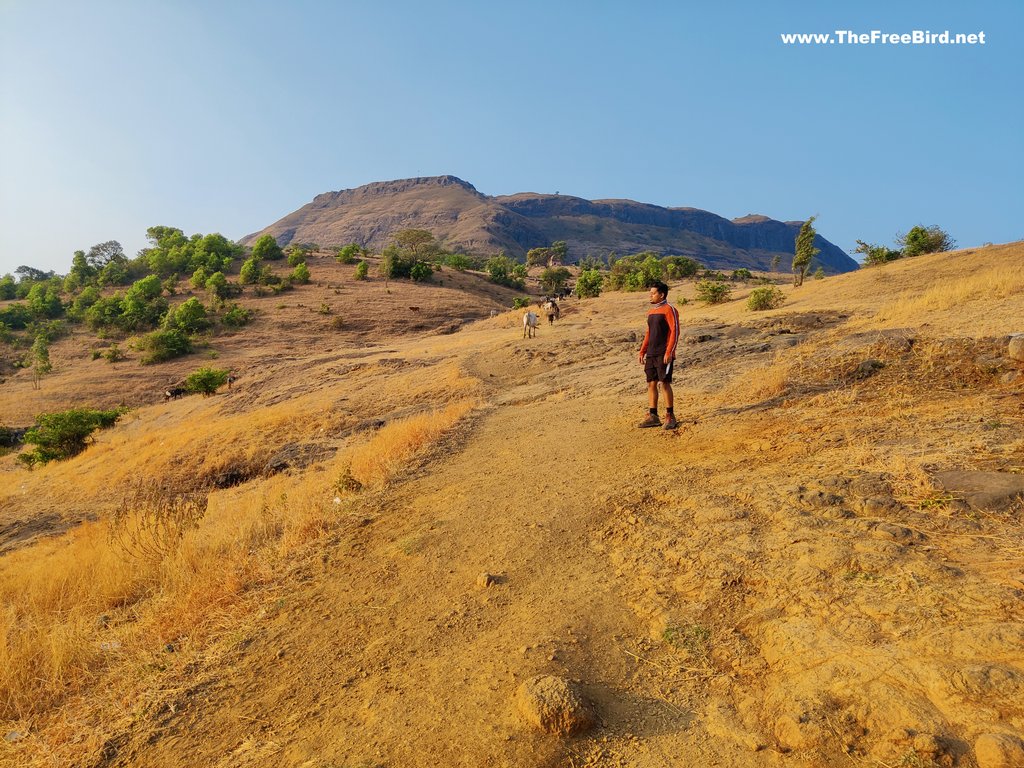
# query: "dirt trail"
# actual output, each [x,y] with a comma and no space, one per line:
[730,594]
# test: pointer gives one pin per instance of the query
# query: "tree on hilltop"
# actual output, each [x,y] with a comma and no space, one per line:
[805,251]
[267,249]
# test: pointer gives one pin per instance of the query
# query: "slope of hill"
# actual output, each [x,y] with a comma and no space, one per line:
[804,574]
[464,219]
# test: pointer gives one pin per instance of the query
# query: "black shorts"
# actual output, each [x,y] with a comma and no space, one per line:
[656,369]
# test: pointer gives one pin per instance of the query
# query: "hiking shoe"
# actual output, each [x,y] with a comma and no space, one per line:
[651,421]
[671,423]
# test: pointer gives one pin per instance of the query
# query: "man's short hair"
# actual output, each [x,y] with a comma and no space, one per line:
[662,289]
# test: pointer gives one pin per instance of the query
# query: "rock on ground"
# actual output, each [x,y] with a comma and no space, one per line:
[554,705]
[999,750]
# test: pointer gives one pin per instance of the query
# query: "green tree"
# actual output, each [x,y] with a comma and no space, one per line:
[875,255]
[419,243]
[59,436]
[588,284]
[421,272]
[300,275]
[206,381]
[776,260]
[44,301]
[159,346]
[537,257]
[679,267]
[218,286]
[189,317]
[347,254]
[143,305]
[505,271]
[920,240]
[266,249]
[8,288]
[40,359]
[805,251]
[553,279]
[559,253]
[362,270]
[250,272]
[296,255]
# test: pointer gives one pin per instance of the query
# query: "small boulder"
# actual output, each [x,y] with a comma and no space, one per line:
[999,750]
[485,580]
[554,705]
[1015,349]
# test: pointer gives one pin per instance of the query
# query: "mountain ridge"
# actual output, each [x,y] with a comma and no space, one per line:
[465,219]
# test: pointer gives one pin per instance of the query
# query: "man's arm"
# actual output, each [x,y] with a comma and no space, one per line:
[672,318]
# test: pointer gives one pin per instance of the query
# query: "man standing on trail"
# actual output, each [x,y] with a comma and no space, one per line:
[658,353]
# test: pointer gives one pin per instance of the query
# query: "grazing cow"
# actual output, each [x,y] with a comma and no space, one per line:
[174,393]
[529,324]
[552,310]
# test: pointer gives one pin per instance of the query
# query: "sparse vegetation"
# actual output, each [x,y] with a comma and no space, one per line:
[59,436]
[589,284]
[765,297]
[160,346]
[206,381]
[713,291]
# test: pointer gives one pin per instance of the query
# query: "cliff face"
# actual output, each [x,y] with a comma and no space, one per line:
[464,219]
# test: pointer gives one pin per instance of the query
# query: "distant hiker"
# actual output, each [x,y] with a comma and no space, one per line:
[658,354]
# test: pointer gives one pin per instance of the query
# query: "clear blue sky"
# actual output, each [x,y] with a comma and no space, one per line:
[225,116]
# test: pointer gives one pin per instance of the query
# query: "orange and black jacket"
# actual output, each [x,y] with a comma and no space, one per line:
[662,331]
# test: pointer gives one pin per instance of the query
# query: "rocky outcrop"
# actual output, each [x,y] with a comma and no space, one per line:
[464,219]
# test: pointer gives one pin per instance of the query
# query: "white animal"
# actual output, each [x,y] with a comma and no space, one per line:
[529,324]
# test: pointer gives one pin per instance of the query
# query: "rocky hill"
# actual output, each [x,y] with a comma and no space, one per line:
[467,220]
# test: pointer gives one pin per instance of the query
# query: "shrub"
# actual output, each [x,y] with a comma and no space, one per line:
[114,354]
[819,273]
[348,254]
[589,283]
[250,272]
[236,316]
[741,274]
[678,267]
[199,278]
[460,262]
[421,272]
[920,240]
[506,271]
[16,316]
[520,302]
[189,317]
[296,256]
[206,381]
[765,297]
[713,291]
[300,275]
[160,346]
[362,270]
[59,436]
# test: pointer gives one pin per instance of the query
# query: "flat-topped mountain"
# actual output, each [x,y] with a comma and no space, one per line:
[464,219]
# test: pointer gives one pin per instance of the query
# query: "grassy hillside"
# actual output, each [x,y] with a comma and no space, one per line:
[288,573]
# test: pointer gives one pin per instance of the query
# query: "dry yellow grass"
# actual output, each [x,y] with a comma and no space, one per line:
[178,578]
[389,450]
[991,284]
